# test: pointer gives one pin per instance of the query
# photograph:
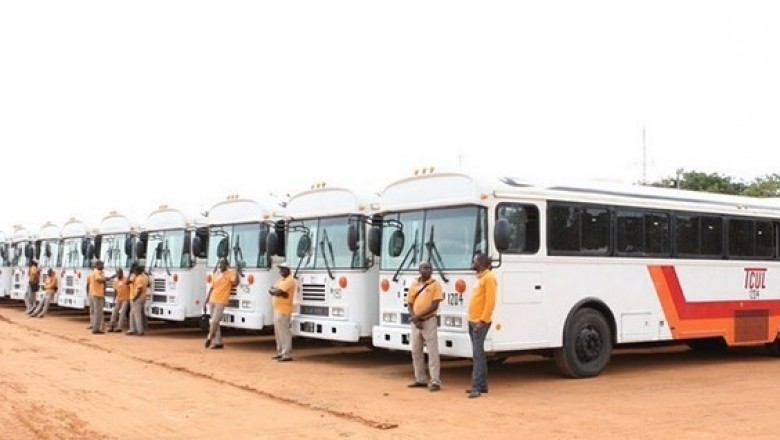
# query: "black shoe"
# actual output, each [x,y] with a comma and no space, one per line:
[482,391]
[434,387]
[416,384]
[284,359]
[473,394]
[98,332]
[277,357]
[207,343]
[129,333]
[217,347]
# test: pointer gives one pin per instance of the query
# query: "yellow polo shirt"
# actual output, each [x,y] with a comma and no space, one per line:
[97,288]
[140,282]
[50,286]
[287,285]
[483,297]
[122,289]
[35,274]
[222,283]
[422,295]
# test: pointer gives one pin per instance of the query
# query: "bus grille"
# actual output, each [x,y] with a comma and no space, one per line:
[69,280]
[233,303]
[159,285]
[314,310]
[313,292]
[159,298]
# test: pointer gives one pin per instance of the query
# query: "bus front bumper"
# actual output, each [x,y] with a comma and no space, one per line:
[166,312]
[72,302]
[245,320]
[456,344]
[318,328]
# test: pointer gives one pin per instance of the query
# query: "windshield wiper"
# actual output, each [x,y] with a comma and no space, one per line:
[166,257]
[435,257]
[413,248]
[238,254]
[324,240]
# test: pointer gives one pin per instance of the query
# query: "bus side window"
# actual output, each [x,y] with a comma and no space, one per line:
[524,224]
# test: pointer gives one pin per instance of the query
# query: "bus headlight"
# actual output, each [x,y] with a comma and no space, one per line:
[337,312]
[245,304]
[245,288]
[453,321]
[389,317]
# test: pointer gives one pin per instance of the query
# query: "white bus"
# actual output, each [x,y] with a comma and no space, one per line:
[78,250]
[21,254]
[48,252]
[238,230]
[337,276]
[6,272]
[581,268]
[176,272]
[116,244]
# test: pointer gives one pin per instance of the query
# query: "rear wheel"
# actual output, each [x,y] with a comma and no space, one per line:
[587,345]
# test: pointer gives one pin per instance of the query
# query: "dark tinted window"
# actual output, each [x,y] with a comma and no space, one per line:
[642,233]
[524,225]
[579,229]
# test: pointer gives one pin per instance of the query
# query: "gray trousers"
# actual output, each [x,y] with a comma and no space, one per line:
[137,315]
[215,329]
[43,305]
[428,336]
[97,303]
[283,334]
[479,369]
[120,309]
[29,299]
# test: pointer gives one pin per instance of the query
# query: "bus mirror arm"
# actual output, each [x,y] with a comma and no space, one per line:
[495,266]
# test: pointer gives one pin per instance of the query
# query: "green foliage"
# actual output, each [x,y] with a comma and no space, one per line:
[766,186]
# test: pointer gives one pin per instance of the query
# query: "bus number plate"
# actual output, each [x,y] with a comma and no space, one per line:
[454,299]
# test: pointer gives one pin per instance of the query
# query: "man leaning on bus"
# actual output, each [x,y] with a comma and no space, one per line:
[423,300]
[481,304]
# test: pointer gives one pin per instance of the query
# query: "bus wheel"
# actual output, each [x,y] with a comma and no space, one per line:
[587,345]
[774,347]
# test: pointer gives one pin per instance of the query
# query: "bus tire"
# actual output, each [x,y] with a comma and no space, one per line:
[587,345]
[774,347]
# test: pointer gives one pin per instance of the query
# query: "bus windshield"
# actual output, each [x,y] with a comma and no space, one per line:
[327,244]
[238,242]
[112,251]
[166,249]
[448,237]
[17,254]
[50,253]
[71,253]
[5,255]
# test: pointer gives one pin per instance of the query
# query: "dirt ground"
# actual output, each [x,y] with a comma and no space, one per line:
[57,380]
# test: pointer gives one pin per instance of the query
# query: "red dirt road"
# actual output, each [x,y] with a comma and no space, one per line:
[59,381]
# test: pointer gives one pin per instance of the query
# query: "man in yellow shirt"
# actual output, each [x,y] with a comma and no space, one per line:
[32,287]
[96,285]
[121,301]
[481,304]
[423,300]
[219,293]
[138,292]
[50,288]
[283,292]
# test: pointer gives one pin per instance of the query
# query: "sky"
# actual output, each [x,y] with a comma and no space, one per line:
[108,105]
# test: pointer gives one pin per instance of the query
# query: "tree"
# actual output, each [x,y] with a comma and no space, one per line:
[767,186]
[699,181]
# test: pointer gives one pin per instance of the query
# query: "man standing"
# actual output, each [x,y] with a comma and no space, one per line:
[138,300]
[50,288]
[97,297]
[481,304]
[32,287]
[283,292]
[121,301]
[423,300]
[217,299]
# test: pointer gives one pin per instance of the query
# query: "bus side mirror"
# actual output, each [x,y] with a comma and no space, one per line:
[223,248]
[262,242]
[158,251]
[304,246]
[375,240]
[396,243]
[501,234]
[129,246]
[90,251]
[352,237]
[28,251]
[140,252]
[272,243]
[47,250]
[196,245]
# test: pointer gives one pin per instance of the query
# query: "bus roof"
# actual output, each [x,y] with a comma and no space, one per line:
[325,202]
